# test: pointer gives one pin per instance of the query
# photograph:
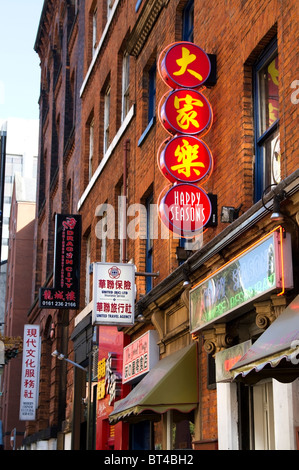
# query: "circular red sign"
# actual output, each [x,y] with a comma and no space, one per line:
[185,209]
[185,65]
[186,112]
[185,159]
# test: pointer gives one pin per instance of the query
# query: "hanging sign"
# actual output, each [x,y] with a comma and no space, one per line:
[185,65]
[65,293]
[140,356]
[185,159]
[30,373]
[185,209]
[113,294]
[186,112]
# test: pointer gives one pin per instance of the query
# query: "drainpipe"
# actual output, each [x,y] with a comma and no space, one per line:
[124,225]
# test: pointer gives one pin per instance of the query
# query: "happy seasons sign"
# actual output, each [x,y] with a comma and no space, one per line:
[185,208]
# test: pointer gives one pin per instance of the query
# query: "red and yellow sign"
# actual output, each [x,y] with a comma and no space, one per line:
[185,209]
[185,159]
[186,112]
[185,65]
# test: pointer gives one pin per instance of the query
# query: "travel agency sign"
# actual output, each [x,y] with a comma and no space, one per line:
[184,159]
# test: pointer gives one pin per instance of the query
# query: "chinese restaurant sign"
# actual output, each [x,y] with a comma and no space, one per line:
[140,356]
[30,373]
[113,294]
[257,271]
[185,159]
[176,68]
[186,208]
[65,293]
[185,114]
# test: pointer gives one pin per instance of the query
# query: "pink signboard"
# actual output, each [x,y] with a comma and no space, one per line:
[140,356]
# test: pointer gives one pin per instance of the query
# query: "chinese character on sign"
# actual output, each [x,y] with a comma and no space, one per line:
[186,59]
[186,156]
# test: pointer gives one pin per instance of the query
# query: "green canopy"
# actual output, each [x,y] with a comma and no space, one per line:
[171,384]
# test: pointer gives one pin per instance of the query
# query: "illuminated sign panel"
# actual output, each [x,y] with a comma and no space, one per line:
[185,209]
[185,65]
[185,159]
[186,112]
[257,271]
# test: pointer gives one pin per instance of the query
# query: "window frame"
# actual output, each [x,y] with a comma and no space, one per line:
[149,244]
[125,106]
[188,22]
[262,178]
[106,122]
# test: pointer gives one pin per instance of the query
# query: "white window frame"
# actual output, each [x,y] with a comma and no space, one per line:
[94,30]
[106,118]
[125,86]
[91,148]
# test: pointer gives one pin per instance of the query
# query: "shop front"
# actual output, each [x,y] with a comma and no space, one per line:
[162,404]
[232,308]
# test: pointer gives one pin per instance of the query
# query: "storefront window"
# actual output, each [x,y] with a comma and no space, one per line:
[182,430]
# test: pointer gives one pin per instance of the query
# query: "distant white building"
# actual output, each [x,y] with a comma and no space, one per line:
[21,158]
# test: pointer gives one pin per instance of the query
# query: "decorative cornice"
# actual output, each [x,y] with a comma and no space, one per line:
[144,24]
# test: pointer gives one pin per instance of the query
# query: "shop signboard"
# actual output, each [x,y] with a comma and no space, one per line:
[140,356]
[185,113]
[66,283]
[227,358]
[30,373]
[185,65]
[259,270]
[113,294]
[186,159]
[185,209]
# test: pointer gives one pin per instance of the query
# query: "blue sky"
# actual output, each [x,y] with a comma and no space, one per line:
[19,63]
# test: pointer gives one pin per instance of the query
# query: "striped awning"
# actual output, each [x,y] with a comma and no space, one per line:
[276,352]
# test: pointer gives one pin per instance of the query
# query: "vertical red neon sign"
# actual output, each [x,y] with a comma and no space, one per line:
[186,114]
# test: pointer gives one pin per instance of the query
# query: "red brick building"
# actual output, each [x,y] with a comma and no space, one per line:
[101,136]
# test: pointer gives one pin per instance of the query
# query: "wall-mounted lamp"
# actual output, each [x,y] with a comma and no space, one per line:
[186,275]
[182,254]
[62,357]
[229,214]
[276,214]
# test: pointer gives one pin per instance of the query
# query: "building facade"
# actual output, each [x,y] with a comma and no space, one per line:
[17,302]
[206,310]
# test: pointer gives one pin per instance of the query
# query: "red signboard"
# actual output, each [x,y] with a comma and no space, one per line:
[185,159]
[186,112]
[185,209]
[185,65]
